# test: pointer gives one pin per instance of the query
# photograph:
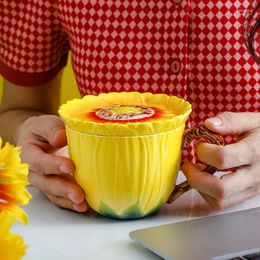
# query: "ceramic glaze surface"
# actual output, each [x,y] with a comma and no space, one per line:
[131,172]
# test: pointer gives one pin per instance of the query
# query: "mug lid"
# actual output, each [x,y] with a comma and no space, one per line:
[125,113]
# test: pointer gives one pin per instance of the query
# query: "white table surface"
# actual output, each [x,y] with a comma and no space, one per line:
[58,234]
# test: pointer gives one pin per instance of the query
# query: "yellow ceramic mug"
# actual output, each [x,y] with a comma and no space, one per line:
[126,148]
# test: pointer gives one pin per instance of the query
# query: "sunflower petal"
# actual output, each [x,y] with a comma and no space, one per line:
[12,246]
[13,181]
[15,211]
[6,221]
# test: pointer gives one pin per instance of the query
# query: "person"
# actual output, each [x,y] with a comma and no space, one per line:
[192,49]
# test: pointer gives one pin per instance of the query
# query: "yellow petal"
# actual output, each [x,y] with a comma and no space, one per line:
[6,221]
[15,211]
[16,191]
[13,181]
[12,247]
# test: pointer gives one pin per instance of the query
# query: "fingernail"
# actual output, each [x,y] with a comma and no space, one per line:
[80,207]
[57,132]
[216,121]
[64,169]
[73,198]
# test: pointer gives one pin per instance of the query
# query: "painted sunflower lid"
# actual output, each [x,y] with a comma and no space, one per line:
[125,113]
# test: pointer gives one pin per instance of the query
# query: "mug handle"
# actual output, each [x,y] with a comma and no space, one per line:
[199,132]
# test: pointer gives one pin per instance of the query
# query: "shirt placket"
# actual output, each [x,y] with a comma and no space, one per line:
[178,61]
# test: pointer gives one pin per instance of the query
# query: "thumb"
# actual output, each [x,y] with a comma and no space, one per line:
[59,139]
[52,129]
[233,123]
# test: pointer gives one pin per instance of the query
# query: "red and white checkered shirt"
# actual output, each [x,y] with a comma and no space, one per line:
[192,49]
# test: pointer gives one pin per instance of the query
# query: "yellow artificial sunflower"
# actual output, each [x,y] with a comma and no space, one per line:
[12,246]
[13,193]
[13,179]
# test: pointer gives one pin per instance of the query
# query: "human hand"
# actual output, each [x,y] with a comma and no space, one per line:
[243,157]
[40,139]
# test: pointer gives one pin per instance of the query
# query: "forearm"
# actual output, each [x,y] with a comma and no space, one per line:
[19,103]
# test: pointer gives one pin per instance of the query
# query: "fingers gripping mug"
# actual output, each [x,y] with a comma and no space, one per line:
[126,148]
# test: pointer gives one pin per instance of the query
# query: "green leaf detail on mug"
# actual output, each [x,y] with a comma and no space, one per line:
[106,211]
[133,212]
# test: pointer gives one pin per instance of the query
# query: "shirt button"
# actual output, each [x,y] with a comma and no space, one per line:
[176,66]
[177,2]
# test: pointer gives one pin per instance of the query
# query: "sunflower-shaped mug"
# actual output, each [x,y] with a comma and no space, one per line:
[126,148]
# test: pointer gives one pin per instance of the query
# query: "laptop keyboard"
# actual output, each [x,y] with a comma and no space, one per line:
[250,254]
[254,256]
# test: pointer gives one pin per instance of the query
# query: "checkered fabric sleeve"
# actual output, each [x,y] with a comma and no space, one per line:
[33,45]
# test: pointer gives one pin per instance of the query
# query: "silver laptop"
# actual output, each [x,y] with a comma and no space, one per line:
[229,236]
